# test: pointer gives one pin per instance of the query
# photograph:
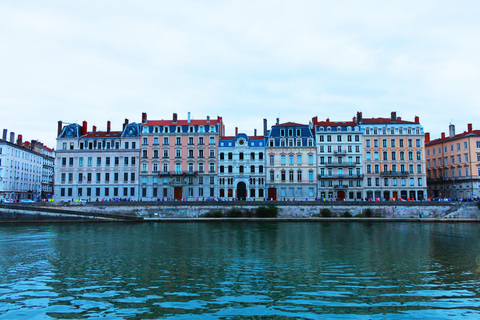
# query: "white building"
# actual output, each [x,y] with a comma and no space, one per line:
[20,170]
[339,159]
[97,165]
[242,167]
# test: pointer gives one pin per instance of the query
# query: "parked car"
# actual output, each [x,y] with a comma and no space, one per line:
[7,201]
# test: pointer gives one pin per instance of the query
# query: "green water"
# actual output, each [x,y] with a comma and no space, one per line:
[240,271]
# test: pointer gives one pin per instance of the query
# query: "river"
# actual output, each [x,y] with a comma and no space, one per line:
[228,270]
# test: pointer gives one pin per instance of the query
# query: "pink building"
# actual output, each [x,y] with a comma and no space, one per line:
[179,158]
[453,164]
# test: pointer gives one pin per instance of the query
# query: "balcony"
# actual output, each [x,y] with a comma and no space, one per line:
[339,164]
[341,176]
[340,187]
[179,173]
[395,173]
[343,152]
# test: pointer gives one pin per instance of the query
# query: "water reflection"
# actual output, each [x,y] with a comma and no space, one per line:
[229,270]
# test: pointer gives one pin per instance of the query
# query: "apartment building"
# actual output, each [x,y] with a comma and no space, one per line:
[339,159]
[394,158]
[179,158]
[291,164]
[97,165]
[241,167]
[20,170]
[453,164]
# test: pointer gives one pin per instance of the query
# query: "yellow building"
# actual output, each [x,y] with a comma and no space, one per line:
[453,164]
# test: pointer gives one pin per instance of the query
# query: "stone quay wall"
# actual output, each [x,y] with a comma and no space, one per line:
[292,209]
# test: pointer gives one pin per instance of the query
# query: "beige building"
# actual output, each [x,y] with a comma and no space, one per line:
[453,164]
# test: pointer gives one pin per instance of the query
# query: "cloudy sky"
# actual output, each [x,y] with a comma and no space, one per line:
[243,60]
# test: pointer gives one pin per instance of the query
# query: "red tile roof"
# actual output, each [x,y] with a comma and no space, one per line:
[336,123]
[180,122]
[475,133]
[384,120]
[102,134]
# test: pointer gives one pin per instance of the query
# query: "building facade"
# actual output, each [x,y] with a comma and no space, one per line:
[291,162]
[97,165]
[241,167]
[20,170]
[179,158]
[394,158]
[453,164]
[339,159]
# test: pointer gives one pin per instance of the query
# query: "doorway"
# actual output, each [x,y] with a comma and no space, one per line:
[241,191]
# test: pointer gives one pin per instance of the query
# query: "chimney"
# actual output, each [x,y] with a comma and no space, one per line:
[417,119]
[328,119]
[354,120]
[451,130]
[208,119]
[264,127]
[12,137]
[188,117]
[469,126]
[236,131]
[19,140]
[144,117]
[315,120]
[359,117]
[94,129]
[108,126]
[443,135]
[175,118]
[278,121]
[59,129]
[255,132]
[393,116]
[84,128]
[5,134]
[427,137]
[125,123]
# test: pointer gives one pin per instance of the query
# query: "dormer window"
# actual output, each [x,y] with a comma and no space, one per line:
[190,129]
[282,132]
[166,129]
[145,129]
[200,129]
[179,129]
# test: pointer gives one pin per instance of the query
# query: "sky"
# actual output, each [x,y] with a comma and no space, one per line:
[242,60]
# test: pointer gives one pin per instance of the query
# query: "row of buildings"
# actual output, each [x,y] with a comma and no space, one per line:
[362,158]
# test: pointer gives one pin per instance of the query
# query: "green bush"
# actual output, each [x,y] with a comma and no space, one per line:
[368,213]
[270,211]
[213,214]
[360,215]
[234,213]
[347,214]
[326,213]
[249,213]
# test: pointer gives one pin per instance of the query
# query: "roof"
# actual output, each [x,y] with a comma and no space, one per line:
[102,134]
[290,124]
[47,149]
[384,121]
[475,133]
[180,122]
[336,123]
[249,137]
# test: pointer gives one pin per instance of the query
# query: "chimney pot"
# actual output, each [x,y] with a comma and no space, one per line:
[59,128]
[427,137]
[451,130]
[19,140]
[84,128]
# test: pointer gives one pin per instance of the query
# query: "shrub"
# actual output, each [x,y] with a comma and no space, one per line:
[270,211]
[360,215]
[213,214]
[368,213]
[234,213]
[326,213]
[249,213]
[347,214]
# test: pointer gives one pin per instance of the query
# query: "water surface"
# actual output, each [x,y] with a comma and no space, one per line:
[240,271]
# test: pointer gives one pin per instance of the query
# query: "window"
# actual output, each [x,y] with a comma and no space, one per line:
[272,160]
[310,176]
[283,160]
[310,159]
